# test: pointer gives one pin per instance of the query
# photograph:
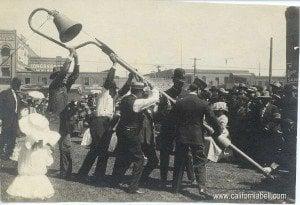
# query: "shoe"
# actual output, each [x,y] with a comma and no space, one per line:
[163,184]
[203,194]
[130,191]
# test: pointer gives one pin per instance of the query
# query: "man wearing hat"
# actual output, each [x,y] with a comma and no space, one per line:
[188,115]
[9,110]
[290,102]
[276,89]
[165,118]
[59,89]
[266,114]
[129,149]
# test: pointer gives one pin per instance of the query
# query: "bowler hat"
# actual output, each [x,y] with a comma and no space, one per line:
[213,89]
[200,83]
[179,74]
[137,85]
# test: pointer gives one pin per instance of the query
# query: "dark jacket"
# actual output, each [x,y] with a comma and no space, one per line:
[8,105]
[189,113]
[59,89]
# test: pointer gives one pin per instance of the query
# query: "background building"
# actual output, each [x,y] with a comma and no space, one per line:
[218,78]
[18,59]
[14,55]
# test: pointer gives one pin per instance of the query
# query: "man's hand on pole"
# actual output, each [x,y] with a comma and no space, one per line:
[113,59]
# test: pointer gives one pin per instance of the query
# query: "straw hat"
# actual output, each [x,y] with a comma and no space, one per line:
[220,106]
[36,126]
[222,90]
[36,95]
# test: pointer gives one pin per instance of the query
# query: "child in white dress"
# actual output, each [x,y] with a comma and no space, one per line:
[36,98]
[35,156]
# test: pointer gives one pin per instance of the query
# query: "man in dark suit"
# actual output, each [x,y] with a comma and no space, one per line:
[165,117]
[9,109]
[189,113]
[58,101]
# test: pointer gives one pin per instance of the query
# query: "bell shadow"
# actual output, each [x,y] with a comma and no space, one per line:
[196,197]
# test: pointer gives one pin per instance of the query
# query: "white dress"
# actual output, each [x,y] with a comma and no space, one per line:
[213,151]
[32,181]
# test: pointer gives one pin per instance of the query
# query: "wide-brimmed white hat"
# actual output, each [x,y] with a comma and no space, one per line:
[219,106]
[36,95]
[36,126]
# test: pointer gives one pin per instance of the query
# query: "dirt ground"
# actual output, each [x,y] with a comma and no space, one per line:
[227,182]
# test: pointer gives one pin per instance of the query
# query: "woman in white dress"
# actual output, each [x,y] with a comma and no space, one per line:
[35,156]
[214,152]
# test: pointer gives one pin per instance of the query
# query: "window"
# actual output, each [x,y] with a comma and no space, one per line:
[204,78]
[27,80]
[5,71]
[5,51]
[86,81]
[44,80]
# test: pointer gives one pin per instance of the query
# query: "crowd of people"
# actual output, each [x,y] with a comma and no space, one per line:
[192,122]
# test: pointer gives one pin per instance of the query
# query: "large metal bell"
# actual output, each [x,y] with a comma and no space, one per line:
[67,28]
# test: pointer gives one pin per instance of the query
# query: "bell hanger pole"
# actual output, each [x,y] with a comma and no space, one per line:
[51,13]
[69,29]
[108,51]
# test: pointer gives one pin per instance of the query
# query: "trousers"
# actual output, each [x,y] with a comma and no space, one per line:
[99,128]
[199,164]
[166,149]
[9,133]
[129,151]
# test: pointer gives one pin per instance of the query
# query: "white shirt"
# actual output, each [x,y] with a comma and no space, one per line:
[105,104]
[141,104]
[16,100]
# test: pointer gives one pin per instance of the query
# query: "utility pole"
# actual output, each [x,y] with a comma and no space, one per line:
[195,66]
[259,69]
[270,62]
[181,54]
[226,60]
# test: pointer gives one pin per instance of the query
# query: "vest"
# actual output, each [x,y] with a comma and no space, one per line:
[129,118]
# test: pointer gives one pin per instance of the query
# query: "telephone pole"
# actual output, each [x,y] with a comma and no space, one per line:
[270,62]
[195,65]
[259,69]
[226,60]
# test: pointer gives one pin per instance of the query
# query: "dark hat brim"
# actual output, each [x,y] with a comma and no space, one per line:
[179,79]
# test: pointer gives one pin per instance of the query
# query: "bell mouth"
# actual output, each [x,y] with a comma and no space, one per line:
[70,33]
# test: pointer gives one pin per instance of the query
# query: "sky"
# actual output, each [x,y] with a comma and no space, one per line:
[166,33]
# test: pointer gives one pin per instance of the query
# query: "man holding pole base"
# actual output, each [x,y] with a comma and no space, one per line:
[129,149]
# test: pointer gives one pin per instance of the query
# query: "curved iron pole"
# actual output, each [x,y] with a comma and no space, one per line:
[124,64]
[52,13]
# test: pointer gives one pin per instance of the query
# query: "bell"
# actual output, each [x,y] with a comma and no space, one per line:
[67,28]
